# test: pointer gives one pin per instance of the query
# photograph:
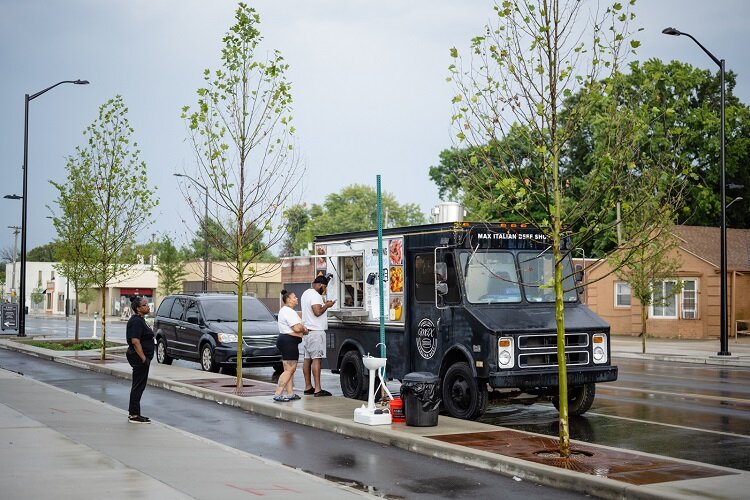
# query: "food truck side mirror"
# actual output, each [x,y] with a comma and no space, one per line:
[579,273]
[442,288]
[441,271]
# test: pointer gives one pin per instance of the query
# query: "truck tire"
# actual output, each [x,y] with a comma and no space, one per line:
[353,376]
[580,399]
[464,396]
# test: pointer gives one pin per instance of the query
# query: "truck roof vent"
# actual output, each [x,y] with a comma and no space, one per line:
[448,211]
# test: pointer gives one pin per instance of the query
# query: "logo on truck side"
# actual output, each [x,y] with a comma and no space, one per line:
[426,339]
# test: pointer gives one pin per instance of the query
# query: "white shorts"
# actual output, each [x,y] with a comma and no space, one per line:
[314,345]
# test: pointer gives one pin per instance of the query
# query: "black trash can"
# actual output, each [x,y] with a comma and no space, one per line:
[420,392]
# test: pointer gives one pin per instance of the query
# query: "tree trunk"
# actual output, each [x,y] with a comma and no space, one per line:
[644,315]
[104,323]
[239,328]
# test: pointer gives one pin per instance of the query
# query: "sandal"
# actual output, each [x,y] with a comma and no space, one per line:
[309,391]
[322,393]
[293,397]
[280,399]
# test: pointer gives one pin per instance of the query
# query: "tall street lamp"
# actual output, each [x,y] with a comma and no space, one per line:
[205,230]
[27,98]
[724,337]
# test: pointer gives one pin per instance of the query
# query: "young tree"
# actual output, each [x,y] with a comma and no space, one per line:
[646,255]
[521,71]
[242,135]
[73,225]
[113,179]
[171,267]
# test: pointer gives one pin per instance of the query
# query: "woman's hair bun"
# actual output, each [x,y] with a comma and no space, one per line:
[284,292]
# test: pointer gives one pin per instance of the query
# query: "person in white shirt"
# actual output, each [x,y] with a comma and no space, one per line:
[291,331]
[315,319]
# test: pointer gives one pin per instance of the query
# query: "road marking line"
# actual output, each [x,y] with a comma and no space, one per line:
[641,421]
[681,394]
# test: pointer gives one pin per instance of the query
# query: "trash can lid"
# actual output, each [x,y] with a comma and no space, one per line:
[420,378]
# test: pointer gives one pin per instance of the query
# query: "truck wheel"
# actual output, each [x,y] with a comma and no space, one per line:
[464,396]
[353,376]
[161,352]
[207,359]
[580,399]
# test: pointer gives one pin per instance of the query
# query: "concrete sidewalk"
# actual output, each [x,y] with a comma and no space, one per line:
[683,351]
[463,442]
[56,444]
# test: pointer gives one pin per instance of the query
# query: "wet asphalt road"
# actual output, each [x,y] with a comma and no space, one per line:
[681,410]
[378,469]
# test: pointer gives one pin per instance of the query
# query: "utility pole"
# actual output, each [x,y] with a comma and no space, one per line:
[16,230]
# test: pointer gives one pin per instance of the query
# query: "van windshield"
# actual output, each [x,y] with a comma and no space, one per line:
[225,309]
[490,277]
[538,272]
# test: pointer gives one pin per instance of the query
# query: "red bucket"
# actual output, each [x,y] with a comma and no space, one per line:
[397,410]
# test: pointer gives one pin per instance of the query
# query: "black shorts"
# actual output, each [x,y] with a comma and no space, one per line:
[289,346]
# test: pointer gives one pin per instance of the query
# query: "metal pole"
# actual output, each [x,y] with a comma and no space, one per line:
[22,287]
[724,340]
[205,244]
[382,273]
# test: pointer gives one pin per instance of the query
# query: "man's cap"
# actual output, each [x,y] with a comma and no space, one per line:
[321,279]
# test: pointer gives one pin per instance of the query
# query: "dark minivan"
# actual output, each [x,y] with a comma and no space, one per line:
[203,327]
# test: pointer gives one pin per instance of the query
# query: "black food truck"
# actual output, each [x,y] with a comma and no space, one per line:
[469,302]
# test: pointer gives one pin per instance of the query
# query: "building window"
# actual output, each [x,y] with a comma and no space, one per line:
[622,294]
[689,299]
[352,281]
[663,300]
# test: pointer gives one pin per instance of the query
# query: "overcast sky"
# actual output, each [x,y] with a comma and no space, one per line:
[368,81]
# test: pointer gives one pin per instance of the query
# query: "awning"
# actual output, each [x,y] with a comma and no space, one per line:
[137,291]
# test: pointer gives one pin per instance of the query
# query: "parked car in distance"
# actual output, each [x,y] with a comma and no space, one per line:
[202,327]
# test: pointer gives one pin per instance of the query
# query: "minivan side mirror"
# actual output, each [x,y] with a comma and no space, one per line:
[194,319]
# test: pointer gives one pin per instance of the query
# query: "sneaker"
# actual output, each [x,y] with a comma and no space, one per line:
[322,393]
[293,397]
[138,419]
[281,399]
[309,391]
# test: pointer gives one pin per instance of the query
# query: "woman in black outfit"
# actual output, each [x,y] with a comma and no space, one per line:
[140,339]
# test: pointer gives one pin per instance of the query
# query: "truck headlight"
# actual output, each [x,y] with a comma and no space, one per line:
[505,352]
[599,341]
[227,338]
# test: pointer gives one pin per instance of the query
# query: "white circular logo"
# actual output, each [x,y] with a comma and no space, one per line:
[426,339]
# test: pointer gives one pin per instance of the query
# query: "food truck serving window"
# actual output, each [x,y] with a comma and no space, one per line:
[424,277]
[352,281]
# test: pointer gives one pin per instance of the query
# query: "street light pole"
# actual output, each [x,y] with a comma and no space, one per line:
[723,333]
[27,98]
[205,229]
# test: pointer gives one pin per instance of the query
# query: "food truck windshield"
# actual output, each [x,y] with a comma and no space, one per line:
[491,277]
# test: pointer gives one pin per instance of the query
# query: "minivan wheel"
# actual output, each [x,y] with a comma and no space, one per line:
[207,359]
[161,353]
[464,396]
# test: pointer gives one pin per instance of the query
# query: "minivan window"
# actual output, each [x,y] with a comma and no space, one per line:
[225,309]
[177,309]
[165,307]
[192,309]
